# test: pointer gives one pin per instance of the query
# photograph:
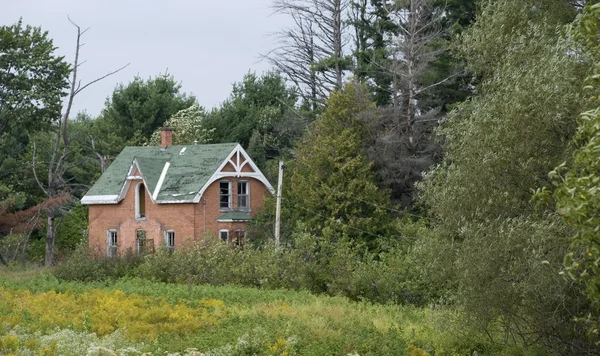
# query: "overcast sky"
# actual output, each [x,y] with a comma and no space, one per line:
[206,44]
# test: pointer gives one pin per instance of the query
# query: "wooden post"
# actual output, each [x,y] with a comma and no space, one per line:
[278,209]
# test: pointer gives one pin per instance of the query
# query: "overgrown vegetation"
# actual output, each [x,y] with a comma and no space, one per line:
[239,321]
[313,263]
[411,186]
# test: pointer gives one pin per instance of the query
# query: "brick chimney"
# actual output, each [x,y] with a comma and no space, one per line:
[166,137]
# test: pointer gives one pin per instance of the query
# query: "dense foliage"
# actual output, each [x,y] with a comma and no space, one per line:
[578,183]
[499,147]
[411,183]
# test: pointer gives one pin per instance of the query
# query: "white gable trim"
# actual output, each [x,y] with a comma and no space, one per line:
[130,178]
[161,179]
[237,150]
[99,199]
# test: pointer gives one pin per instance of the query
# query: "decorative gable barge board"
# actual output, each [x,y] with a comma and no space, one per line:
[237,151]
[257,174]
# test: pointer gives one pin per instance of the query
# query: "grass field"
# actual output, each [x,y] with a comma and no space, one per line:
[40,315]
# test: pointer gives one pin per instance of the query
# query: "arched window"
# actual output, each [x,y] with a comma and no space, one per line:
[140,201]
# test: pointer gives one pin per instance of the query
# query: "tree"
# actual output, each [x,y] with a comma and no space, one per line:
[403,55]
[137,109]
[32,79]
[373,29]
[505,258]
[188,127]
[578,182]
[332,189]
[56,187]
[258,104]
[311,54]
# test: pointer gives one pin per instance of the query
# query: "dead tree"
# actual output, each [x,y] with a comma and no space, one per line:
[311,54]
[413,49]
[55,184]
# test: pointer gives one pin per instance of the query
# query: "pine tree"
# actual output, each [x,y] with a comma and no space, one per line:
[332,187]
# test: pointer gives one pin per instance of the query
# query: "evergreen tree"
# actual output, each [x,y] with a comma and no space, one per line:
[332,189]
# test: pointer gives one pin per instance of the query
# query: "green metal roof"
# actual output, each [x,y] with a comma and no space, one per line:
[187,173]
[235,216]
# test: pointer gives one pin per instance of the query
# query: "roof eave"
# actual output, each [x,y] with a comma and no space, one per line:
[99,199]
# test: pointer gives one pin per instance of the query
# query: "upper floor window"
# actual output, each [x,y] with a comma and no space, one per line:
[170,239]
[140,201]
[225,195]
[243,195]
[111,242]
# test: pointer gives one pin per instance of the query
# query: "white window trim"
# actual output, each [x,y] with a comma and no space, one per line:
[109,244]
[137,202]
[229,208]
[226,231]
[167,239]
[247,208]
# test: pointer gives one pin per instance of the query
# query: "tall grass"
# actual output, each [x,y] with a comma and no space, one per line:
[268,322]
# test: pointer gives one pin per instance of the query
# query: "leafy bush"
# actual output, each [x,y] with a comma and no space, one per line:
[88,265]
[313,263]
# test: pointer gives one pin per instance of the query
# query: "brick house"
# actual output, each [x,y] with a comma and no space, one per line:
[166,195]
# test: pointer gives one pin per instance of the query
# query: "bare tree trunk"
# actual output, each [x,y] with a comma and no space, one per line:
[337,41]
[311,54]
[49,259]
[56,167]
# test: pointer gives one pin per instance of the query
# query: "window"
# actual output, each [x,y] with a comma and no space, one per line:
[140,201]
[240,236]
[140,241]
[224,235]
[243,196]
[225,195]
[170,239]
[111,243]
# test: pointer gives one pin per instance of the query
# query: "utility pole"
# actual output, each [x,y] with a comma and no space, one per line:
[278,209]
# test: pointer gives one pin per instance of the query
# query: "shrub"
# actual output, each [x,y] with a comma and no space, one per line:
[89,265]
[313,263]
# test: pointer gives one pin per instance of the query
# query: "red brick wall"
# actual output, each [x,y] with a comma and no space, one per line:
[257,192]
[187,220]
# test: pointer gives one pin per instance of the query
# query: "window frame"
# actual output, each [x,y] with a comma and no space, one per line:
[169,246]
[221,237]
[139,247]
[229,195]
[239,239]
[138,213]
[112,249]
[247,195]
